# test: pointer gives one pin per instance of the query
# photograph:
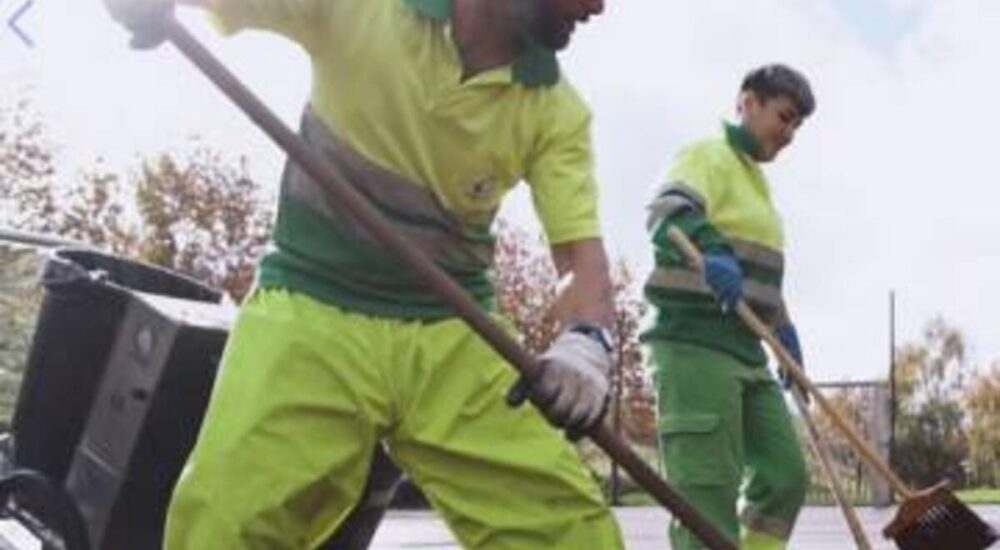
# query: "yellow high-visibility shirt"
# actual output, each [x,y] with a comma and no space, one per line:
[388,80]
[718,196]
[388,86]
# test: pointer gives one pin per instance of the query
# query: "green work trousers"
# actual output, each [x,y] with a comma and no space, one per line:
[724,427]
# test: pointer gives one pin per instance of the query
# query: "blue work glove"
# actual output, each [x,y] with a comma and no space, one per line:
[789,338]
[143,18]
[724,276]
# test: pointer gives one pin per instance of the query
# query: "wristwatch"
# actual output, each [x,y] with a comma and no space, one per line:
[595,332]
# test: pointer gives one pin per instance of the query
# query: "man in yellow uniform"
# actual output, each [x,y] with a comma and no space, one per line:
[723,419]
[434,109]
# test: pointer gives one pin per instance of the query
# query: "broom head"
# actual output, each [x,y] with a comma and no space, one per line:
[934,519]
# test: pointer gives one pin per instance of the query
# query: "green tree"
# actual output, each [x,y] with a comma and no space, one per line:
[983,406]
[931,439]
[20,299]
[27,168]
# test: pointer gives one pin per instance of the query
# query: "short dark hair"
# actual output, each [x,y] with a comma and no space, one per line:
[775,80]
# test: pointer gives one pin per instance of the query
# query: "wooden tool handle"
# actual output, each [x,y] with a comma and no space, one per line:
[863,448]
[822,453]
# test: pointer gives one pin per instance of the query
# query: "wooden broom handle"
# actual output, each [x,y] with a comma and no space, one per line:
[863,448]
[822,452]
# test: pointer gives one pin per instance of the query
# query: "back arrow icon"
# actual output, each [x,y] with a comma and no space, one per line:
[12,23]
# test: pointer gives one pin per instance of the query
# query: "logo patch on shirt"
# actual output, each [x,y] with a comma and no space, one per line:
[483,189]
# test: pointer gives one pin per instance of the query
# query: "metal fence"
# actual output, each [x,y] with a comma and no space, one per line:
[868,405]
[865,403]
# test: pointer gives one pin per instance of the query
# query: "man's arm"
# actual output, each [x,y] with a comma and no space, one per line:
[573,385]
[300,20]
[586,294]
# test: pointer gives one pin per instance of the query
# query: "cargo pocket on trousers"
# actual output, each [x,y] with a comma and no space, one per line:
[693,449]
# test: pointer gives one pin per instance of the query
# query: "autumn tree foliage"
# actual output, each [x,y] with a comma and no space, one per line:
[194,211]
[27,166]
[982,400]
[526,283]
[204,216]
[637,411]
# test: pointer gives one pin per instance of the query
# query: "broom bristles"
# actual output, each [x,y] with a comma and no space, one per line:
[937,520]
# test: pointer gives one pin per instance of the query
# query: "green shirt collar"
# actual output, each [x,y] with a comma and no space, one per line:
[741,140]
[535,66]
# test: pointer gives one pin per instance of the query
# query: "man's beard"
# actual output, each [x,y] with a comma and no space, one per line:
[535,22]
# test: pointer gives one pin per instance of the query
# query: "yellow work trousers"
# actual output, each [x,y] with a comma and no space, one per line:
[306,391]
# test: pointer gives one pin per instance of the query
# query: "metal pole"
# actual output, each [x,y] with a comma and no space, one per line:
[617,427]
[37,239]
[892,376]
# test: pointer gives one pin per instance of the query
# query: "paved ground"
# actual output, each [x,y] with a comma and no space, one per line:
[818,529]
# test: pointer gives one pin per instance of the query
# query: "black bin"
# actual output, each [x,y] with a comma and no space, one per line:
[117,380]
[86,294]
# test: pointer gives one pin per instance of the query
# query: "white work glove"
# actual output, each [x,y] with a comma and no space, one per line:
[572,387]
[143,18]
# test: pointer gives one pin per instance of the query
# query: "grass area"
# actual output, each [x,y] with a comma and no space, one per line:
[980,496]
[970,496]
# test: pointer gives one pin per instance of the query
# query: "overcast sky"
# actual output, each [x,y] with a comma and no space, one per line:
[889,186]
